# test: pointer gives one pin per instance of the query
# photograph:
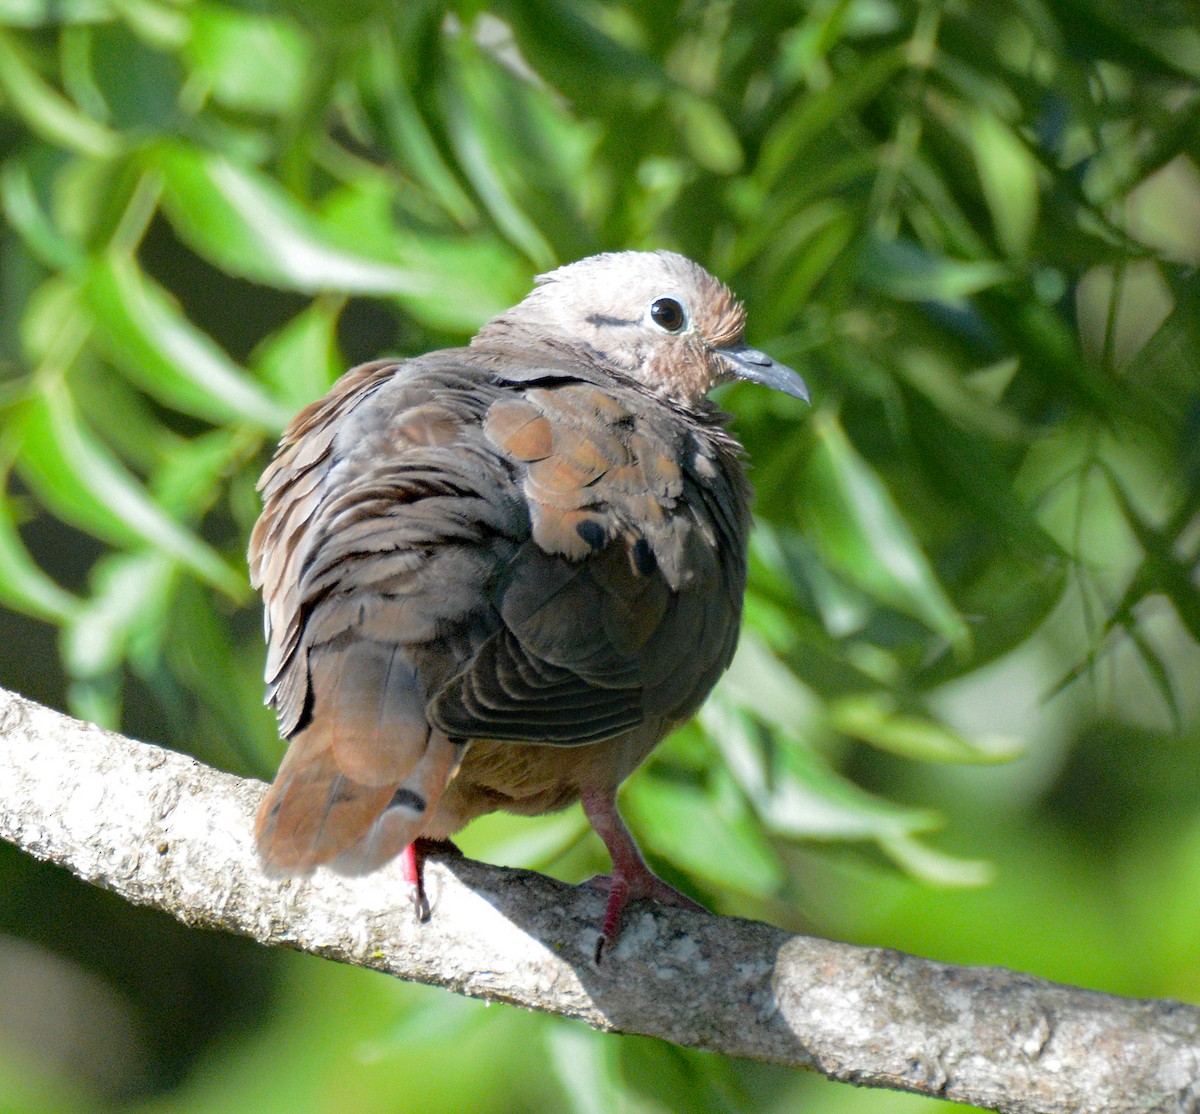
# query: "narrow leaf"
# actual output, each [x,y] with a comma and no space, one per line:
[77,477]
[796,793]
[24,586]
[147,336]
[479,144]
[26,215]
[860,532]
[129,590]
[797,129]
[873,718]
[47,112]
[934,867]
[248,225]
[1008,173]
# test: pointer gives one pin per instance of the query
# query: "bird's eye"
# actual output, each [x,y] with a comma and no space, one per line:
[667,314]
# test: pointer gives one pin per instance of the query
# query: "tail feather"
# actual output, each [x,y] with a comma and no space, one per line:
[358,782]
[406,813]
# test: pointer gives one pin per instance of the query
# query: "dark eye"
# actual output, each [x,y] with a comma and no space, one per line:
[667,314]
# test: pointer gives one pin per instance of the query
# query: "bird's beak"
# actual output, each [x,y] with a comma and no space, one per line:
[758,367]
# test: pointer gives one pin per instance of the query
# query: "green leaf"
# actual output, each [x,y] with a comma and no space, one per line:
[26,215]
[54,13]
[905,271]
[1009,175]
[254,63]
[145,334]
[758,679]
[47,112]
[527,841]
[794,132]
[711,140]
[191,479]
[301,359]
[935,867]
[875,719]
[129,590]
[860,532]
[588,1070]
[248,225]
[23,585]
[466,278]
[794,790]
[407,133]
[733,853]
[479,142]
[76,476]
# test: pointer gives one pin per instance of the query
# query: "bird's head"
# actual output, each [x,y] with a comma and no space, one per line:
[654,316]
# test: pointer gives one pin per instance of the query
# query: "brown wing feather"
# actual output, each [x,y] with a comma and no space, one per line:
[617,610]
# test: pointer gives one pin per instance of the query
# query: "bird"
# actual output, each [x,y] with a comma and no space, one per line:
[496,576]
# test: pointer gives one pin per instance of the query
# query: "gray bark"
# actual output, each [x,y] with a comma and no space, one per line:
[164,830]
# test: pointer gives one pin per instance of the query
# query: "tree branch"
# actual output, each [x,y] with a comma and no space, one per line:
[164,830]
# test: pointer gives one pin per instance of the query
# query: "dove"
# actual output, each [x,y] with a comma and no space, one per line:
[495,577]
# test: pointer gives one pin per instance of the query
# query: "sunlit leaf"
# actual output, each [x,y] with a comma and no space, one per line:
[874,718]
[859,531]
[191,479]
[478,143]
[47,112]
[77,478]
[758,679]
[23,585]
[794,791]
[252,62]
[1010,181]
[407,132]
[467,278]
[128,590]
[733,854]
[301,360]
[147,336]
[525,841]
[39,13]
[922,861]
[247,224]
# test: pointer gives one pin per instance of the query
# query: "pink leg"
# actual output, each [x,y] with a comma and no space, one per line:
[631,878]
[412,867]
[411,862]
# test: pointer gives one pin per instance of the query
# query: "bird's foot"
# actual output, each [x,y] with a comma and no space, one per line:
[632,885]
[631,878]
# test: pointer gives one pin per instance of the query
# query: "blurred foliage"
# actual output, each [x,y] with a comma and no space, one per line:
[974,603]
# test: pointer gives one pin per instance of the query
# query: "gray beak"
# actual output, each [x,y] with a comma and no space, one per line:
[758,367]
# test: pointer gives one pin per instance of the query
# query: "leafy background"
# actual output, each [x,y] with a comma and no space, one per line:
[963,719]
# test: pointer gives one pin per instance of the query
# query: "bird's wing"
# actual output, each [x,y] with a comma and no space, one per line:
[622,606]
